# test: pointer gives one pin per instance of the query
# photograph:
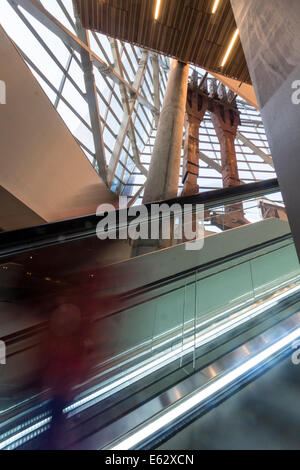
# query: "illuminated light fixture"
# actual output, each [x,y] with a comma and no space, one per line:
[215,6]
[157,8]
[202,394]
[232,43]
[24,433]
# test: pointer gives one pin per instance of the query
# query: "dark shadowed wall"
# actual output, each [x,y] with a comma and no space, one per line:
[270,35]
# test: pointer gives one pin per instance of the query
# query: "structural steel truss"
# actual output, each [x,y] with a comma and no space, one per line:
[109,93]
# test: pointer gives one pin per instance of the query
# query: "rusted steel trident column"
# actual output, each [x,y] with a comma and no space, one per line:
[226,119]
[196,107]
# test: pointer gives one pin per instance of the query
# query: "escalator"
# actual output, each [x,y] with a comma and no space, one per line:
[264,415]
[188,331]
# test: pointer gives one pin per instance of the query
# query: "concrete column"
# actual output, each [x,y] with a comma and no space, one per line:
[163,177]
[225,123]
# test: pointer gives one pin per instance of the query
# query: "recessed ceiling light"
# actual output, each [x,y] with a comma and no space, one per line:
[232,42]
[215,6]
[157,8]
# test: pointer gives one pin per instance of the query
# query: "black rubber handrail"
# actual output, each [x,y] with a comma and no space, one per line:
[66,230]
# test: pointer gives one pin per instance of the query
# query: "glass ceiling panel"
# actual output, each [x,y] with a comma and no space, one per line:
[127,139]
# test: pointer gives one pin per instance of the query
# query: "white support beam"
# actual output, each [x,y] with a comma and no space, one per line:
[136,195]
[266,158]
[36,9]
[127,106]
[127,120]
[210,162]
[92,100]
[156,97]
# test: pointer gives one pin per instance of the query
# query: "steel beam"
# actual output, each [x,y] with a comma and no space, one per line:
[156,97]
[127,121]
[128,107]
[36,9]
[266,158]
[92,100]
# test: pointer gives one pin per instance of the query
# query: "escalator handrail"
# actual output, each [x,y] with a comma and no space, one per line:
[67,230]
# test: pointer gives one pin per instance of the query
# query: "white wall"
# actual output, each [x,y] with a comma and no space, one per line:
[41,163]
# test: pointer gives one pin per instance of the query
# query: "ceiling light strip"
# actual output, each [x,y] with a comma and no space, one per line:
[230,47]
[215,6]
[157,8]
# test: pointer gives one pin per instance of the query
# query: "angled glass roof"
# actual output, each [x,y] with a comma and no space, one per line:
[110,93]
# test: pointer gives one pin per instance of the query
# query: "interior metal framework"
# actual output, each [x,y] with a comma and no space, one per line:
[109,93]
[184,29]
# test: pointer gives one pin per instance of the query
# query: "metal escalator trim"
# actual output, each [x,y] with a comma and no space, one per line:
[19,436]
[130,356]
[128,362]
[13,341]
[233,367]
[55,233]
[10,443]
[199,269]
[201,338]
[26,333]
